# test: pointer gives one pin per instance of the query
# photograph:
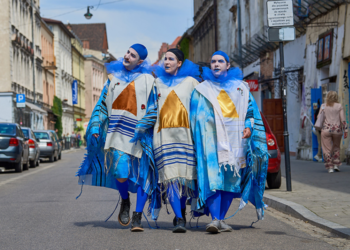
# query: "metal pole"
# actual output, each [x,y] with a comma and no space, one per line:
[239,34]
[33,41]
[285,123]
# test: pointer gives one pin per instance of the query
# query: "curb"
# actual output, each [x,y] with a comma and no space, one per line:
[300,212]
[71,150]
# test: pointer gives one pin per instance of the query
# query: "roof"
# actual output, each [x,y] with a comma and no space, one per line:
[176,41]
[95,33]
[59,23]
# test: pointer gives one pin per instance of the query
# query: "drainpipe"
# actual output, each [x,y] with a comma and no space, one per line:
[216,23]
[239,33]
[33,41]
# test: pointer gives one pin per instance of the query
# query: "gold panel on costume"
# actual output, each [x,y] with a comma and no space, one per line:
[228,108]
[127,100]
[173,113]
[110,77]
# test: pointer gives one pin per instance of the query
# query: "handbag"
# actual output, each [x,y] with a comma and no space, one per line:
[320,119]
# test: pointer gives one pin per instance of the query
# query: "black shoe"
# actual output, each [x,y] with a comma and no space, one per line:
[136,225]
[183,212]
[180,226]
[124,213]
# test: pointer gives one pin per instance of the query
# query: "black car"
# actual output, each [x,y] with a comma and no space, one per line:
[14,149]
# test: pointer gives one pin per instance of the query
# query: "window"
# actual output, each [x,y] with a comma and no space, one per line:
[324,49]
[86,44]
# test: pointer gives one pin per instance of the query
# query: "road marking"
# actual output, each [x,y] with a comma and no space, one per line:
[22,176]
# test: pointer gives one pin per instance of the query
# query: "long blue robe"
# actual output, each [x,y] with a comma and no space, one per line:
[250,185]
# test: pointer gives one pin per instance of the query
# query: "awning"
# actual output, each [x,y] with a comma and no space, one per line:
[36,108]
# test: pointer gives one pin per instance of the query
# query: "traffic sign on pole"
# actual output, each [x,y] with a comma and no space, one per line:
[282,34]
[280,13]
[20,100]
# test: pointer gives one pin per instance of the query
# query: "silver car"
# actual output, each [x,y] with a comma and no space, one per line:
[59,144]
[47,144]
[34,149]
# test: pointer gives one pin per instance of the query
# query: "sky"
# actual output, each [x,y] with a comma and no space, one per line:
[150,22]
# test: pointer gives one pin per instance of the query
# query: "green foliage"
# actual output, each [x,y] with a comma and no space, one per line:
[57,110]
[185,47]
[79,128]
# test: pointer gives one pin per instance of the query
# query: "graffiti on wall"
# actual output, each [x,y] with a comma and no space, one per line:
[345,78]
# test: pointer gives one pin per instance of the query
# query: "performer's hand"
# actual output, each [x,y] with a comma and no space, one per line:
[246,133]
[346,135]
[95,135]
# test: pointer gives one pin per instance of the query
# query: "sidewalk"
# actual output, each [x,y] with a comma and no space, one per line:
[326,195]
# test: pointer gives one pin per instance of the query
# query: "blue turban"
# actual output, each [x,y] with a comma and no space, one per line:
[141,50]
[221,53]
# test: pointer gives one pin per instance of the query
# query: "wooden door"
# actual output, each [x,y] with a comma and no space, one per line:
[273,112]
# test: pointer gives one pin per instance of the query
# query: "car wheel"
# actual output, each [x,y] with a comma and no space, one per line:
[19,166]
[52,158]
[55,158]
[26,165]
[274,180]
[38,162]
[32,164]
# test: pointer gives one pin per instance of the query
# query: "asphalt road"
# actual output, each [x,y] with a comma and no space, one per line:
[38,210]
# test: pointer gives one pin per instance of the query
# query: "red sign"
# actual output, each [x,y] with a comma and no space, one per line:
[79,119]
[253,85]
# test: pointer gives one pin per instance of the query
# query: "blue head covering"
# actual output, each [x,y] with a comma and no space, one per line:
[141,50]
[221,53]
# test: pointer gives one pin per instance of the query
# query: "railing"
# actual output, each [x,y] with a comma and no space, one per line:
[49,61]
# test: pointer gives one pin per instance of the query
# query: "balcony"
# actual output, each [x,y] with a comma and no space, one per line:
[49,61]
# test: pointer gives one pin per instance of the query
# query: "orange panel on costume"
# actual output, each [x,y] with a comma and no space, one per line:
[127,100]
[173,113]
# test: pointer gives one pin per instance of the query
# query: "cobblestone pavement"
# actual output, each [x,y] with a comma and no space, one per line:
[327,195]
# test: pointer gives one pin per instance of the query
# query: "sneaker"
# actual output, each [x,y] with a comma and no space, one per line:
[136,225]
[124,213]
[183,212]
[317,158]
[336,168]
[330,170]
[180,226]
[213,227]
[224,227]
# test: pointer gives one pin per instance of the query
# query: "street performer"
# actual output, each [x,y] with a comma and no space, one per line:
[112,161]
[172,140]
[230,143]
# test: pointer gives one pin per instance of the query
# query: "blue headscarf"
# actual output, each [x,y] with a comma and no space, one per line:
[117,69]
[227,81]
[141,50]
[188,68]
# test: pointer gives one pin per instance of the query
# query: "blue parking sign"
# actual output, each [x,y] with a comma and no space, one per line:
[21,100]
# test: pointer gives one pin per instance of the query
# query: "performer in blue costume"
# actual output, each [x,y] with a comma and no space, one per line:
[112,161]
[172,141]
[230,143]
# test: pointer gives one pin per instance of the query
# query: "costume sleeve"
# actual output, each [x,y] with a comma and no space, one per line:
[249,119]
[149,120]
[98,116]
[342,120]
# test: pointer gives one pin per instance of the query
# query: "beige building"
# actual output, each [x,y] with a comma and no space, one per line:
[18,27]
[48,76]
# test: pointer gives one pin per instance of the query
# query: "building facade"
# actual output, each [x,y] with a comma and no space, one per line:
[21,63]
[64,77]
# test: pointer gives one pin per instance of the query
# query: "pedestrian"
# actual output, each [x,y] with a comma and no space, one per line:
[112,161]
[172,141]
[230,143]
[333,127]
[78,139]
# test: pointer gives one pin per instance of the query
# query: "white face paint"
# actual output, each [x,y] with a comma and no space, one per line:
[219,66]
[171,64]
[131,59]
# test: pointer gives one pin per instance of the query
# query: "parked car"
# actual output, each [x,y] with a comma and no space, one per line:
[34,149]
[274,169]
[59,145]
[47,144]
[14,150]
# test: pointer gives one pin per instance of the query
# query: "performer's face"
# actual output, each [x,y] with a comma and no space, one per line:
[171,64]
[131,59]
[219,66]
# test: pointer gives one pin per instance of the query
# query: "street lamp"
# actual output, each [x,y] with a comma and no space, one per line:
[88,15]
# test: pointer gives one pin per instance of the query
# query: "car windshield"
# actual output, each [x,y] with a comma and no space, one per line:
[25,132]
[42,135]
[7,129]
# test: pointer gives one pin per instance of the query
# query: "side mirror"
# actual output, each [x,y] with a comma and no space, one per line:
[37,139]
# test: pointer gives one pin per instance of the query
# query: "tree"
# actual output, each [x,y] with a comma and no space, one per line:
[57,110]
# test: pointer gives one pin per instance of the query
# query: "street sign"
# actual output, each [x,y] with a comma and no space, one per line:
[281,34]
[280,13]
[253,85]
[21,100]
[75,92]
